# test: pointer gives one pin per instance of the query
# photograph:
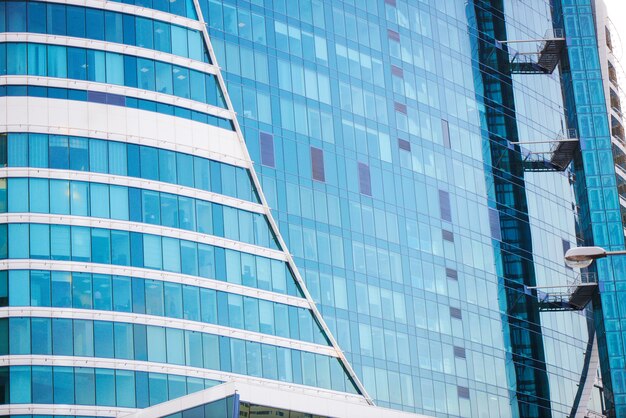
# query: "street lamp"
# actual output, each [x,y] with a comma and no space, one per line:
[582,257]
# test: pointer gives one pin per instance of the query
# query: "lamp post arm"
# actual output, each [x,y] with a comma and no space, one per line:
[620,252]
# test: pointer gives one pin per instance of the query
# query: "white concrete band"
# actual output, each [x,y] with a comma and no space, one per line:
[59,409]
[130,139]
[115,6]
[163,231]
[42,38]
[145,366]
[165,322]
[31,80]
[116,180]
[170,132]
[218,285]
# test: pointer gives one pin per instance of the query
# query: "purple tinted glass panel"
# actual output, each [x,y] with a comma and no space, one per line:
[96,97]
[463,392]
[267,149]
[365,182]
[444,206]
[452,274]
[116,100]
[459,352]
[317,164]
[455,313]
[494,224]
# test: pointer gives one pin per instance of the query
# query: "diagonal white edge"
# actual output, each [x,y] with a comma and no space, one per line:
[270,218]
[274,397]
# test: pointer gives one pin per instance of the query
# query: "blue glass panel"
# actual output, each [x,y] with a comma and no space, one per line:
[20,341]
[85,386]
[103,333]
[140,342]
[63,385]
[156,344]
[125,388]
[61,289]
[20,388]
[102,291]
[158,388]
[83,338]
[16,16]
[122,294]
[40,287]
[76,15]
[57,23]
[124,341]
[105,387]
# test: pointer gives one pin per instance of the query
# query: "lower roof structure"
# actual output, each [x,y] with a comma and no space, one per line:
[245,399]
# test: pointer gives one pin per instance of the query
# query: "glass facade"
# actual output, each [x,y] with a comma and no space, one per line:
[162,272]
[598,194]
[102,25]
[372,221]
[108,67]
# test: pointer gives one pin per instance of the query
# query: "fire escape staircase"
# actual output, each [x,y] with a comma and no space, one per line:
[557,158]
[542,61]
[574,296]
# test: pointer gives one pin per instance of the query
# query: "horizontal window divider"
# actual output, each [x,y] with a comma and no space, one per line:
[114,6]
[72,130]
[146,366]
[137,93]
[149,274]
[112,179]
[70,410]
[162,231]
[106,46]
[165,322]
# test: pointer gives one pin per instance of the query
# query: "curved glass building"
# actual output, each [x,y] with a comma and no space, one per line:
[318,208]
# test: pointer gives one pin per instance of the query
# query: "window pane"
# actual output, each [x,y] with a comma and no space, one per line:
[62,344]
[61,289]
[103,332]
[83,338]
[105,387]
[39,195]
[60,191]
